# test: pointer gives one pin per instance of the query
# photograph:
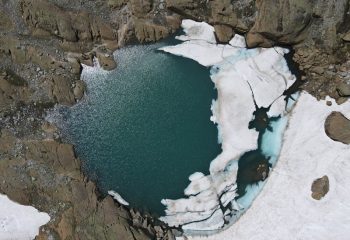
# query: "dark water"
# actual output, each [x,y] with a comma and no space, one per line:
[144,127]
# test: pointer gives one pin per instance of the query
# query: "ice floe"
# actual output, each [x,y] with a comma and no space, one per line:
[245,79]
[285,209]
[19,221]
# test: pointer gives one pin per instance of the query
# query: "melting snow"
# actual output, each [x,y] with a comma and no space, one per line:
[243,77]
[284,209]
[19,221]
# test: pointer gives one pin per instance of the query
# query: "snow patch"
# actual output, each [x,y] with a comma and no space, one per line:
[118,198]
[19,221]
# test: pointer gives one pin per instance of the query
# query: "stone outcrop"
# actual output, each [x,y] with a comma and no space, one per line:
[320,188]
[68,25]
[46,174]
[283,22]
[337,127]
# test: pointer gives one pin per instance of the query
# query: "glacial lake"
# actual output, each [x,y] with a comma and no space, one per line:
[144,128]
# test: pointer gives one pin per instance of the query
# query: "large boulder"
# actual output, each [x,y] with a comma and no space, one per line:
[223,33]
[337,127]
[281,21]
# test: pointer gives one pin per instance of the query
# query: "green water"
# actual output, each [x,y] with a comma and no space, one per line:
[144,128]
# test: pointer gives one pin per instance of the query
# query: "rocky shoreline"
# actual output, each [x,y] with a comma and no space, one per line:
[43,44]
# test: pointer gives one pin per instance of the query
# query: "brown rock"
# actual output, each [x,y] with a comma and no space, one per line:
[68,25]
[79,90]
[320,188]
[337,127]
[13,89]
[256,39]
[140,7]
[5,22]
[223,33]
[280,21]
[318,70]
[222,12]
[117,3]
[61,90]
[106,60]
[149,32]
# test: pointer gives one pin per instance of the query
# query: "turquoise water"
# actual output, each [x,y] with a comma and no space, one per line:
[144,128]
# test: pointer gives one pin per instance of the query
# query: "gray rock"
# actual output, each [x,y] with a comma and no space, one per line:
[343,90]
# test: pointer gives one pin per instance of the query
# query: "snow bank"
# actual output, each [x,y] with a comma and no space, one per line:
[118,198]
[197,31]
[284,209]
[243,77]
[19,221]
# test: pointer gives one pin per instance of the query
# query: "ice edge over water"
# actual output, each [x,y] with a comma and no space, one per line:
[245,79]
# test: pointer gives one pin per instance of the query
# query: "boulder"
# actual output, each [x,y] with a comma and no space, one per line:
[337,127]
[222,12]
[106,60]
[343,90]
[320,188]
[79,90]
[281,21]
[223,33]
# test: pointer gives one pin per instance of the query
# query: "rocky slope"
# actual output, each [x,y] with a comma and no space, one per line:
[43,44]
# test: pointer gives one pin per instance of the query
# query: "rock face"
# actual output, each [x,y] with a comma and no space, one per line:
[320,188]
[281,21]
[46,174]
[337,127]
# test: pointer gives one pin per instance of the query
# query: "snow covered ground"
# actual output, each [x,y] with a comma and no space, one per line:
[284,209]
[243,77]
[19,222]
